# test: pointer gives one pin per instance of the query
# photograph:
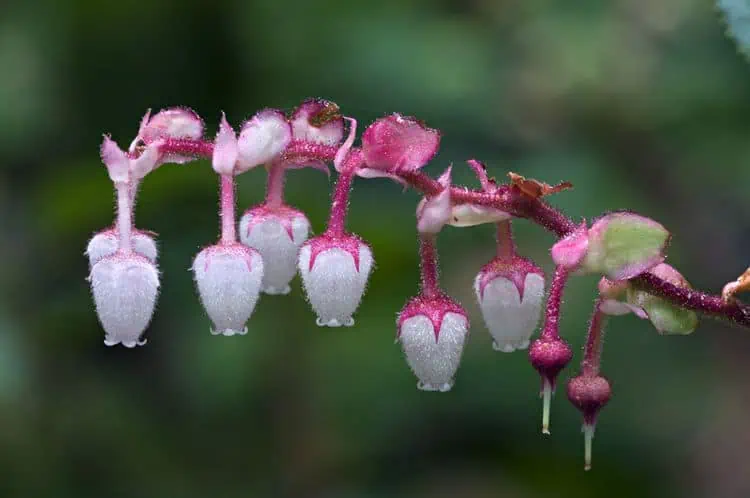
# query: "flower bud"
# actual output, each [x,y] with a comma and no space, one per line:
[619,245]
[334,272]
[228,278]
[397,143]
[124,288]
[589,393]
[276,233]
[318,120]
[105,243]
[263,138]
[510,295]
[549,357]
[432,332]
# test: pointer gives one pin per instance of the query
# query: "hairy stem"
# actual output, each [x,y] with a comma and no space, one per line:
[506,247]
[124,217]
[511,201]
[551,330]
[228,230]
[275,185]
[340,203]
[428,265]
[592,350]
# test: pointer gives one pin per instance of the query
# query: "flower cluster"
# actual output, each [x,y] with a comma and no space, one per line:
[627,249]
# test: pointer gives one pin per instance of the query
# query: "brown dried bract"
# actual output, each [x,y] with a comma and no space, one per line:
[330,112]
[534,188]
[742,284]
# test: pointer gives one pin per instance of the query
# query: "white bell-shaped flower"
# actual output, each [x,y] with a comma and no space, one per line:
[228,278]
[125,287]
[432,333]
[510,295]
[105,243]
[334,273]
[276,233]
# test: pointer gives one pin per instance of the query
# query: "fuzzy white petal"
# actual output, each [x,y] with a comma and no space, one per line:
[334,287]
[262,139]
[510,321]
[104,244]
[125,290]
[434,362]
[279,252]
[228,287]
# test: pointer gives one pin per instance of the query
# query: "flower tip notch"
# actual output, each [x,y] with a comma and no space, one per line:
[228,277]
[334,271]
[432,332]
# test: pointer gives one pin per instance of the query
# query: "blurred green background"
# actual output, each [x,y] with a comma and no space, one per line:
[640,104]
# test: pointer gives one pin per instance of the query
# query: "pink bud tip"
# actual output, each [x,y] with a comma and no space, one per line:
[570,251]
[116,161]
[225,149]
[399,143]
[318,120]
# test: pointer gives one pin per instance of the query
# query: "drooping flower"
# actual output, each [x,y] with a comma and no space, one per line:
[334,271]
[432,332]
[549,355]
[277,234]
[125,286]
[229,278]
[510,294]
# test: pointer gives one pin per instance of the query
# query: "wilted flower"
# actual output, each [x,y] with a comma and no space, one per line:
[589,393]
[318,120]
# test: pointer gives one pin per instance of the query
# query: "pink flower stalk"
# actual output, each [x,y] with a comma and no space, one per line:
[510,291]
[550,354]
[124,279]
[228,274]
[335,266]
[432,328]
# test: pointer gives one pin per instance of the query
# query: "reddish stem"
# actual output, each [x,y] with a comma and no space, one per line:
[228,231]
[506,247]
[592,350]
[275,185]
[551,330]
[340,203]
[511,201]
[428,265]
